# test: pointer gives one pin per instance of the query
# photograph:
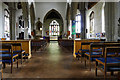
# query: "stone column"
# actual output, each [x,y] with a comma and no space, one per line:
[25,16]
[117,16]
[12,8]
[111,19]
[83,19]
[74,7]
[118,23]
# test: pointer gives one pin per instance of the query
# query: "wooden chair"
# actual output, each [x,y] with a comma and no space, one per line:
[85,49]
[94,52]
[92,55]
[17,49]
[7,55]
[108,63]
[82,50]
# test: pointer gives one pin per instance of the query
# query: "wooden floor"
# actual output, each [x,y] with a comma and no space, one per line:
[53,62]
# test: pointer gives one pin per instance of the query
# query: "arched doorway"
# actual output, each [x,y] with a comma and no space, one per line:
[53,24]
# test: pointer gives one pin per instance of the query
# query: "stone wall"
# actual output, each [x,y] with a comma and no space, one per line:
[97,9]
[42,8]
[2,19]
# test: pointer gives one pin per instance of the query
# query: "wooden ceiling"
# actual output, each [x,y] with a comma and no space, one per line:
[91,4]
[6,3]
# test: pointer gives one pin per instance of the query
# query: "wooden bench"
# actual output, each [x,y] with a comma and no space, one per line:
[38,44]
[91,55]
[108,63]
[85,48]
[77,45]
[26,46]
[82,46]
[65,43]
[10,51]
[8,55]
[17,49]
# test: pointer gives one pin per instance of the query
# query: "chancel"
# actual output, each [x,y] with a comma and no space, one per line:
[59,39]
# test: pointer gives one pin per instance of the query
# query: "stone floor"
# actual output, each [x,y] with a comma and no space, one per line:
[53,62]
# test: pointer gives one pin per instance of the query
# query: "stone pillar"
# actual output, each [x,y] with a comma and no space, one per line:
[74,7]
[12,8]
[117,16]
[111,19]
[69,19]
[25,16]
[83,17]
[118,23]
[26,27]
[1,22]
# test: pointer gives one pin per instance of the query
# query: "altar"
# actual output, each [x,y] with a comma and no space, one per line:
[53,37]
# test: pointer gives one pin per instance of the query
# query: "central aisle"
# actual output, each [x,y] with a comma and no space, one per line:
[53,62]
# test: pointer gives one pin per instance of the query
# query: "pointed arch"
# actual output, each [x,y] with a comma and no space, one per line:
[55,12]
[50,16]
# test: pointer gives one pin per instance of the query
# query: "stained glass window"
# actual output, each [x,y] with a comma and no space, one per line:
[78,23]
[54,28]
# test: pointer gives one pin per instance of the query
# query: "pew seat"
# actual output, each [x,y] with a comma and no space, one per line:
[109,60]
[93,53]
[112,63]
[77,53]
[84,50]
[117,58]
[5,51]
[95,50]
[18,51]
[7,61]
[108,63]
[8,55]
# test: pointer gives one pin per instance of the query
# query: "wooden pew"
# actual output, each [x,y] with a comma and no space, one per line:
[91,55]
[108,63]
[38,44]
[17,49]
[85,50]
[65,43]
[26,45]
[80,45]
[7,54]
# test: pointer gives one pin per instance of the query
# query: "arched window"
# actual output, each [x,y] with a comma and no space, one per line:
[103,19]
[92,24]
[54,29]
[6,24]
[78,23]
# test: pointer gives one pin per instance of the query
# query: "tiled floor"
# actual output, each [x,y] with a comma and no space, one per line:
[53,62]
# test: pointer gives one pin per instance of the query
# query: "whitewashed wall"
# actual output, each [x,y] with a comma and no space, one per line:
[2,19]
[97,18]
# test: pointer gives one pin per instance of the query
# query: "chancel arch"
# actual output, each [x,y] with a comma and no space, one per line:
[53,23]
